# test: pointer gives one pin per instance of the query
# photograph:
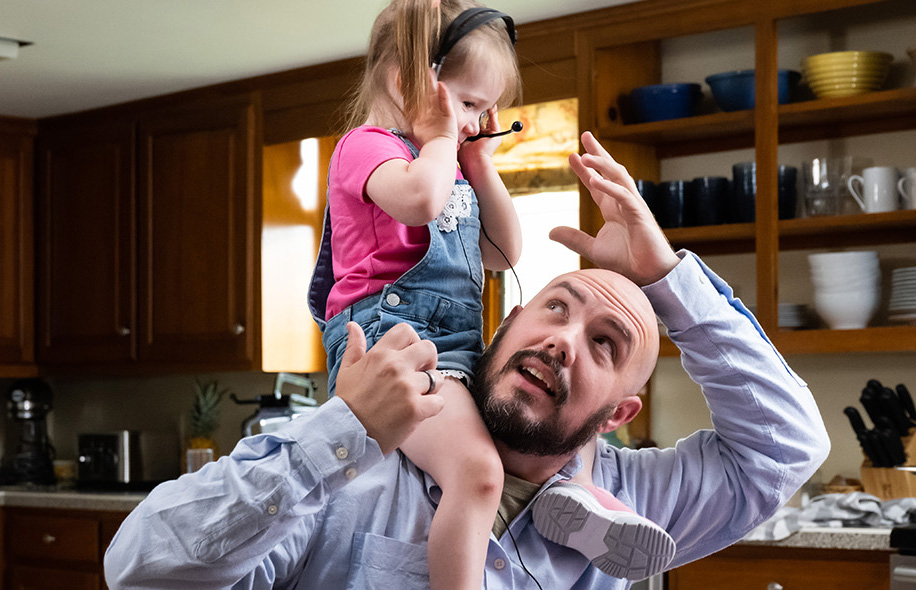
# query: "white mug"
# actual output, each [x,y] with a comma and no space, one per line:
[907,187]
[877,189]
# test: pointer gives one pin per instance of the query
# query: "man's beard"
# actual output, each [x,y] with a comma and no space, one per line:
[505,419]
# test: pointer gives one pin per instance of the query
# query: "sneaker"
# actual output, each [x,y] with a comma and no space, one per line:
[592,521]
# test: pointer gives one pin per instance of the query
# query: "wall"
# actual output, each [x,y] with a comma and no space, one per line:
[150,403]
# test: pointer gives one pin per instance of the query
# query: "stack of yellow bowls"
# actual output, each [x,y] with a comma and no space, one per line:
[844,73]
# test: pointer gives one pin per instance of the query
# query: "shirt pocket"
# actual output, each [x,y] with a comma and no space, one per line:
[382,563]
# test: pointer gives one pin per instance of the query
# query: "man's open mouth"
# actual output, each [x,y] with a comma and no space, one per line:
[536,377]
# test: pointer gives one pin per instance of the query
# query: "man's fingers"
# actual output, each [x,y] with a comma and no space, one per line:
[576,240]
[399,337]
[431,381]
[430,405]
[356,345]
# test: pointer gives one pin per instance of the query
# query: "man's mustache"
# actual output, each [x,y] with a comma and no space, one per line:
[561,387]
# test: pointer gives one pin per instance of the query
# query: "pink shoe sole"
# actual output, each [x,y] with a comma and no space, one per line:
[621,544]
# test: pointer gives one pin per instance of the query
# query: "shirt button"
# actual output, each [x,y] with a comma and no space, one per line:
[350,473]
[499,563]
[342,453]
[272,509]
[392,299]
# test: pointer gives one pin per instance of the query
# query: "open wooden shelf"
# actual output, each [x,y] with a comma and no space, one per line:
[863,114]
[874,112]
[691,135]
[731,238]
[876,339]
[848,230]
[802,233]
[629,54]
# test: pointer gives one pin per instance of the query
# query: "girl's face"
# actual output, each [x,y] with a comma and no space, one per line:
[473,92]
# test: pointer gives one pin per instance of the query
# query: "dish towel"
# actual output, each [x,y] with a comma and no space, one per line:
[856,509]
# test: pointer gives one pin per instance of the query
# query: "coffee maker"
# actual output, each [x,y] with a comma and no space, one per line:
[28,404]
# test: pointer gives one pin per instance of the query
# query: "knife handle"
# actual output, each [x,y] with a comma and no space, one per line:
[892,408]
[855,419]
[882,455]
[906,400]
[869,401]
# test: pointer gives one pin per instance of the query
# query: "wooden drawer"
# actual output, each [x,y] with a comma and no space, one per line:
[761,568]
[61,538]
[32,578]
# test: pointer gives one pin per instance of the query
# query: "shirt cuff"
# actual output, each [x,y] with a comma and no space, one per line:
[335,444]
[692,293]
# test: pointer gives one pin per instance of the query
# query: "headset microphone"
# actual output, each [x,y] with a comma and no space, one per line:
[516,127]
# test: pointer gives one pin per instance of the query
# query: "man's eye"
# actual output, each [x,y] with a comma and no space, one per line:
[555,305]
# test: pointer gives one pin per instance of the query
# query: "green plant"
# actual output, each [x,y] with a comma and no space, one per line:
[206,408]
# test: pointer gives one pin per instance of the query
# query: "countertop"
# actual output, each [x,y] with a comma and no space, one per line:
[71,499]
[877,539]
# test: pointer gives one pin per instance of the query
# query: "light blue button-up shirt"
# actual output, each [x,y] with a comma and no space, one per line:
[317,506]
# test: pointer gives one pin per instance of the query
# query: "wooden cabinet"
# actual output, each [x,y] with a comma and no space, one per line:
[50,549]
[197,228]
[768,568]
[147,238]
[17,139]
[626,49]
[87,242]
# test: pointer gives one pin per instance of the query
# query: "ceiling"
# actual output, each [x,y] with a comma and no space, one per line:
[92,53]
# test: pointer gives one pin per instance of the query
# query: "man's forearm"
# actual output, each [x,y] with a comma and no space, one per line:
[218,526]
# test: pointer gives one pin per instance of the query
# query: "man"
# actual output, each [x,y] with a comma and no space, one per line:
[327,504]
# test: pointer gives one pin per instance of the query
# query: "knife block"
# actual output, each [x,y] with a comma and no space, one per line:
[889,483]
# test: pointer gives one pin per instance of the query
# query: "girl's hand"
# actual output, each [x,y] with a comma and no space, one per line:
[486,146]
[436,119]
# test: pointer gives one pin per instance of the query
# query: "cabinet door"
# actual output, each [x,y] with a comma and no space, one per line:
[196,227]
[86,243]
[16,247]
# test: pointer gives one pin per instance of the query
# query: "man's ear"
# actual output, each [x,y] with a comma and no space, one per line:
[512,313]
[626,410]
[508,319]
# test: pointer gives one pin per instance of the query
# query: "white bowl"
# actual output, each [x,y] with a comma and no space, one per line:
[847,311]
[860,256]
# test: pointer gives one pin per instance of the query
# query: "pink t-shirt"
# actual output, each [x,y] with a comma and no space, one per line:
[369,248]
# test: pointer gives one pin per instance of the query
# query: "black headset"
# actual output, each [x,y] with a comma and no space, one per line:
[463,24]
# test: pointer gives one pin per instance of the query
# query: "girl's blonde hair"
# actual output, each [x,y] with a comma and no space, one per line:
[405,37]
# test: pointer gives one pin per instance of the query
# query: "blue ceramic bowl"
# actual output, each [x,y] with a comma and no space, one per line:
[734,91]
[660,102]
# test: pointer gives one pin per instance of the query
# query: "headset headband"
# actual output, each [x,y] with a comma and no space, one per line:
[466,22]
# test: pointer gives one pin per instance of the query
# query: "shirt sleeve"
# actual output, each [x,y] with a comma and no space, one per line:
[768,437]
[360,152]
[247,516]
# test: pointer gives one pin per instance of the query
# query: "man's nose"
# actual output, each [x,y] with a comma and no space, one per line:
[560,346]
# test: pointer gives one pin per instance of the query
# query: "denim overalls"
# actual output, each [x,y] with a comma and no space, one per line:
[440,296]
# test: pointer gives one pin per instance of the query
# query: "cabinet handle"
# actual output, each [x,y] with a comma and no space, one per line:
[48,538]
[774,586]
[124,331]
[238,329]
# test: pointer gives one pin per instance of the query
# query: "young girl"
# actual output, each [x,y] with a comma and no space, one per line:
[413,210]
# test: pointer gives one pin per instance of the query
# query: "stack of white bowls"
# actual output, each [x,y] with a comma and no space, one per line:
[847,288]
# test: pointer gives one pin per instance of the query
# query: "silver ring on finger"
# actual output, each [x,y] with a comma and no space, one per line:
[432,382]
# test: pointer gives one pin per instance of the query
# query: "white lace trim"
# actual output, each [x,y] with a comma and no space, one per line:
[458,206]
[457,374]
